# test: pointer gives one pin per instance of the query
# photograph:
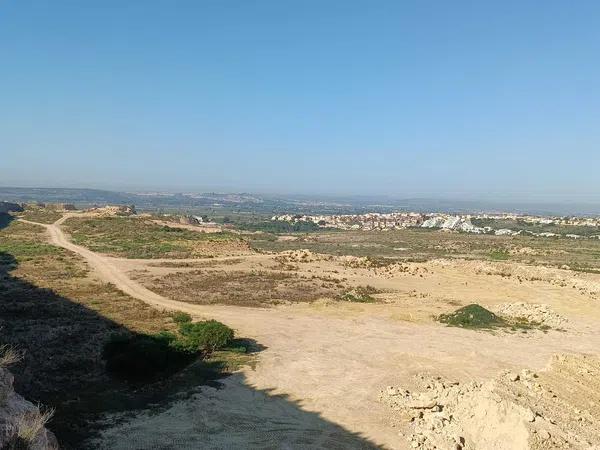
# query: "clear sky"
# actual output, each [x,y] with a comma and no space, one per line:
[477,99]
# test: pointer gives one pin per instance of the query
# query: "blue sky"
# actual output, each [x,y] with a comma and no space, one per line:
[494,100]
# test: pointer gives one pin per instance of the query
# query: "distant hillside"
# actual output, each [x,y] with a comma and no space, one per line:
[283,204]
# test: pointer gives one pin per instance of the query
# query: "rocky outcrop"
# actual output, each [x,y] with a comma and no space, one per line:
[22,424]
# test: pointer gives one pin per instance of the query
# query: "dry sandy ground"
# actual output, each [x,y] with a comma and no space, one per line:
[331,360]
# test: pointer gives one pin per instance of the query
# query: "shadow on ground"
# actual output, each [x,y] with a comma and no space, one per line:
[5,220]
[194,408]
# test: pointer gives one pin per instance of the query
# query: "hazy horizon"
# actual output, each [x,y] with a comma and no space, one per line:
[374,202]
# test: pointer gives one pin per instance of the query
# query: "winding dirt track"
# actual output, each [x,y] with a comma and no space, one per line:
[110,273]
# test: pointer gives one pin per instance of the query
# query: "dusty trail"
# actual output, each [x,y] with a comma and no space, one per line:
[109,273]
[334,361]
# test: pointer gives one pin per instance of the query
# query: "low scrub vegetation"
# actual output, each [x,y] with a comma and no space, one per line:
[206,336]
[9,356]
[472,316]
[476,316]
[360,294]
[279,226]
[242,288]
[422,244]
[28,427]
[134,237]
[41,215]
[141,357]
[180,317]
[499,255]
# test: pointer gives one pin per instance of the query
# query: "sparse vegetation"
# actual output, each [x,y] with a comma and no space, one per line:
[278,226]
[360,294]
[180,317]
[243,288]
[476,316]
[28,426]
[499,255]
[9,356]
[422,244]
[472,316]
[142,357]
[134,237]
[41,215]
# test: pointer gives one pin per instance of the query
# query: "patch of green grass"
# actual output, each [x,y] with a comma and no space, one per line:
[499,255]
[472,316]
[28,250]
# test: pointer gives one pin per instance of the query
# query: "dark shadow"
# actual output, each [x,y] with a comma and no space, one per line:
[63,368]
[5,220]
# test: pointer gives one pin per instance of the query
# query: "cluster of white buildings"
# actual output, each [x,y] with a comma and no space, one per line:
[553,220]
[370,221]
[453,223]
[444,222]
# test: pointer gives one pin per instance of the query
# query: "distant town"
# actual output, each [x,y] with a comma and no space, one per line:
[467,223]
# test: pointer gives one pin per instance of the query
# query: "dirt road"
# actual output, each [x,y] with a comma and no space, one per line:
[334,361]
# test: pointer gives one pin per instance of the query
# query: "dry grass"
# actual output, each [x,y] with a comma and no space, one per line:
[254,288]
[28,427]
[201,263]
[9,356]
[41,215]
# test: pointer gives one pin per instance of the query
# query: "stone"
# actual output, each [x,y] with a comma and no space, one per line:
[544,435]
[513,376]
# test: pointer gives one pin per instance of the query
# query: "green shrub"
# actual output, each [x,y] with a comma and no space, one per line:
[499,255]
[472,316]
[360,294]
[180,317]
[141,357]
[208,335]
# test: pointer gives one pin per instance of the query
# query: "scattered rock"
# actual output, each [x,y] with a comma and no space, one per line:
[534,313]
[506,412]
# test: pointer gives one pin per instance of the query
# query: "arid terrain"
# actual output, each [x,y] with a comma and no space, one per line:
[352,354]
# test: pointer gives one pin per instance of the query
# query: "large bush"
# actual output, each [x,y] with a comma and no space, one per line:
[141,357]
[472,316]
[208,335]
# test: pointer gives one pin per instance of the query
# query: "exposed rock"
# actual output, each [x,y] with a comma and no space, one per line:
[532,312]
[18,417]
[555,408]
